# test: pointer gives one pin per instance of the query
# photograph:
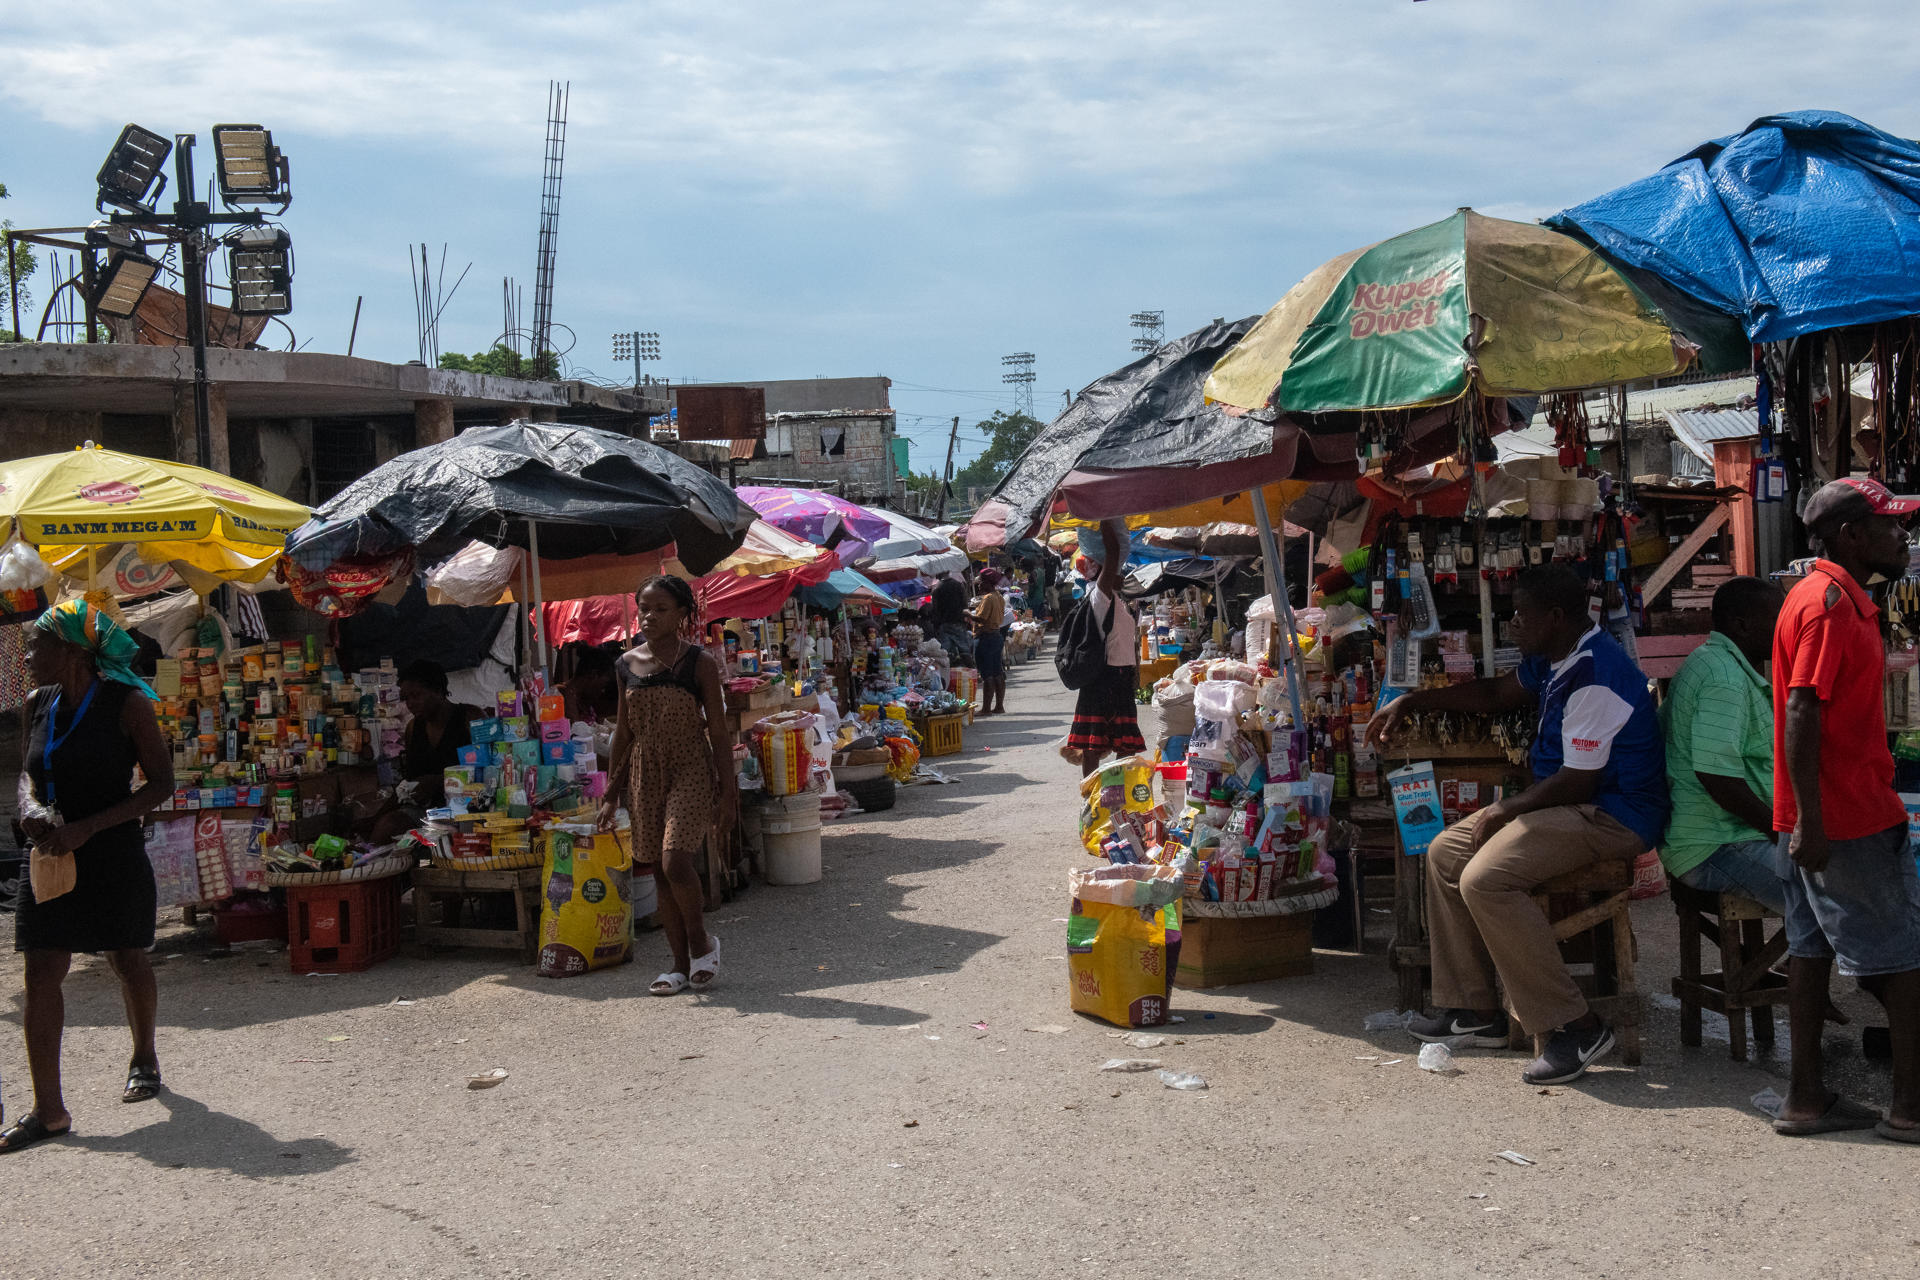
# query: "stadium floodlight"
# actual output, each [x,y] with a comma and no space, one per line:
[127,178]
[250,169]
[260,269]
[118,288]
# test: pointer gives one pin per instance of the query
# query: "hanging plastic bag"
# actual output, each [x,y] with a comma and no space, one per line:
[22,569]
[1217,707]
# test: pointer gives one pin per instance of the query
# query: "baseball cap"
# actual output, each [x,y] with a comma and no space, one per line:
[1853,498]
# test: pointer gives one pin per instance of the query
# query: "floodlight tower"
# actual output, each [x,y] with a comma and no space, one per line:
[636,347]
[1020,377]
[250,170]
[1152,326]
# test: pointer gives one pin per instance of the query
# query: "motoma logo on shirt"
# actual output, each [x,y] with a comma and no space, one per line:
[1586,744]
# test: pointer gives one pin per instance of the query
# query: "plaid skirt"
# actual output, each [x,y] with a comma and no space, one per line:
[1106,718]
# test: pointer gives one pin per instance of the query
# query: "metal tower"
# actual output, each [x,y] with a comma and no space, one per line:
[542,353]
[1019,376]
[1152,326]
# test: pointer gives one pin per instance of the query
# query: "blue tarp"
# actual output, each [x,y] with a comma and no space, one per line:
[840,584]
[1804,221]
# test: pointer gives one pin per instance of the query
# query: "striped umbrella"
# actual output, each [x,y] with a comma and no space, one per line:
[1470,302]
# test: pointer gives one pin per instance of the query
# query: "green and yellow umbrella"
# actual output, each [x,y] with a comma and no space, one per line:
[79,508]
[1471,302]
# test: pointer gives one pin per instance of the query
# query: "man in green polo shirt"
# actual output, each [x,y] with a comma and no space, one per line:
[1718,719]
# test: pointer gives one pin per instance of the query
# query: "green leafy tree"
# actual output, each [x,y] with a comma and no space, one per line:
[1008,435]
[502,361]
[19,269]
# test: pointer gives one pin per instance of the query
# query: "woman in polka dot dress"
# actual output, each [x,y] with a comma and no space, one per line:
[673,767]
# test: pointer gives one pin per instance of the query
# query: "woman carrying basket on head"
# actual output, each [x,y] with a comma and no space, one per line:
[672,764]
[92,721]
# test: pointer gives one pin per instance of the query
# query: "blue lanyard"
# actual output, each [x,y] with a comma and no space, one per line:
[54,742]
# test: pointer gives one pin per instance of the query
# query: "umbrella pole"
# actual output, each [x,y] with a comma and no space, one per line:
[539,622]
[522,617]
[1270,550]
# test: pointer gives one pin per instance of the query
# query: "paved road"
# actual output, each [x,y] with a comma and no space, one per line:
[833,1107]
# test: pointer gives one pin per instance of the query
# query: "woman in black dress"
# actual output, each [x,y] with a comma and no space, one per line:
[92,722]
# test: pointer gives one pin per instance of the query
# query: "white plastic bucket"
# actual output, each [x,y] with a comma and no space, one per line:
[790,839]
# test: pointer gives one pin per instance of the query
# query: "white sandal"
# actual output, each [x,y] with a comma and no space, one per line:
[668,984]
[706,969]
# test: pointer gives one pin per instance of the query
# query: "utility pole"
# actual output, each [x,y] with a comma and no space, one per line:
[193,216]
[946,474]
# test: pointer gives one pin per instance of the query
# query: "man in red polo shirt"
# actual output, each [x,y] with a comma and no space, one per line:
[1851,886]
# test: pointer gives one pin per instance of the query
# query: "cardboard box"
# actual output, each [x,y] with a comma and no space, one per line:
[1220,952]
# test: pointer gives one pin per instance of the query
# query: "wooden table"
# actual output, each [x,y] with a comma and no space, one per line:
[451,888]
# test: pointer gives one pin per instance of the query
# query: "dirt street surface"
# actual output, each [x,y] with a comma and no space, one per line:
[888,1082]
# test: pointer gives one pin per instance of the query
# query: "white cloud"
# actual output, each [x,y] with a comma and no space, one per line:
[882,101]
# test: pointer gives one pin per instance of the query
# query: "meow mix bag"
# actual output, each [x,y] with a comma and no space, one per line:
[586,921]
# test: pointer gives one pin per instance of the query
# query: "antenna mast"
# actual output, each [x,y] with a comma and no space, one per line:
[543,360]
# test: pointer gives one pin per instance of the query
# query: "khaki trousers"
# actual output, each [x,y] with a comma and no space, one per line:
[1480,919]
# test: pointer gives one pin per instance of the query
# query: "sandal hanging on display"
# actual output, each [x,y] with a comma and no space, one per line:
[142,1083]
[26,1131]
[668,984]
[707,968]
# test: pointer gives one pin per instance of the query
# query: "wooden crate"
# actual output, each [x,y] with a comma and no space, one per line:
[939,735]
[1217,952]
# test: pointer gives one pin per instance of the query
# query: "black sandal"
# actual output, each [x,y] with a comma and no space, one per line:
[26,1131]
[142,1083]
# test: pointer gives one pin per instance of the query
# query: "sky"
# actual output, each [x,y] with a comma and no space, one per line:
[843,189]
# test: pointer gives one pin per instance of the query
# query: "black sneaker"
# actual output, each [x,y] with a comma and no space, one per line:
[1450,1025]
[1568,1055]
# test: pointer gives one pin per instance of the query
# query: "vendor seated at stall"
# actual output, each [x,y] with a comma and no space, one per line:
[1718,718]
[431,745]
[592,692]
[1599,793]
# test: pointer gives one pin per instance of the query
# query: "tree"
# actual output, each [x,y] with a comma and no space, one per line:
[1008,435]
[19,269]
[502,362]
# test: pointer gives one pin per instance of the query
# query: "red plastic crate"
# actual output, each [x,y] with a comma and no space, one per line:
[263,922]
[344,928]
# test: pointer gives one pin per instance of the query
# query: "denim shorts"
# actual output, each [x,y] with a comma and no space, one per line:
[1863,910]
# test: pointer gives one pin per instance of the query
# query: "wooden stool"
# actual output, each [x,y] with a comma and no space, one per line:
[451,888]
[1737,925]
[1588,911]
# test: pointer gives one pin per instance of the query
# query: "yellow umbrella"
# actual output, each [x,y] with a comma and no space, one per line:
[78,508]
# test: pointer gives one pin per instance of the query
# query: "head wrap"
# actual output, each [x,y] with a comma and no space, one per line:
[86,625]
[990,578]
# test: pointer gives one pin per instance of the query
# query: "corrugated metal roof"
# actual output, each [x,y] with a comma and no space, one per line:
[1697,429]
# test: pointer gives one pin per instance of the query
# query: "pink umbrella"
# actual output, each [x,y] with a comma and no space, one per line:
[815,516]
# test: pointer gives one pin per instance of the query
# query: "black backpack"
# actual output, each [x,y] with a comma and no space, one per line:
[1081,652]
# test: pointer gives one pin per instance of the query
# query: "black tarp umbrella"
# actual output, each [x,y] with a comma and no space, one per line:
[1148,414]
[560,491]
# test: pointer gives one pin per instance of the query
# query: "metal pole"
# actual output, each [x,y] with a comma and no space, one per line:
[1270,551]
[87,276]
[539,621]
[192,219]
[355,331]
[13,285]
[946,474]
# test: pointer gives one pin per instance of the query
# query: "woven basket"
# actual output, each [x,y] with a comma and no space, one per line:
[531,857]
[393,864]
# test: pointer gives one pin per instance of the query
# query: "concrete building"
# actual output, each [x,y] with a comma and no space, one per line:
[300,424]
[827,433]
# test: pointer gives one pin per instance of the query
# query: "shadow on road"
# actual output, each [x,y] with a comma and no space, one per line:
[193,1136]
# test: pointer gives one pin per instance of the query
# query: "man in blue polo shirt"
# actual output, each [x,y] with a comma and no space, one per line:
[1599,793]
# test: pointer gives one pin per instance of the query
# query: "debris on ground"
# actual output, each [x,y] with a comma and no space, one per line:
[1131,1064]
[1185,1080]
